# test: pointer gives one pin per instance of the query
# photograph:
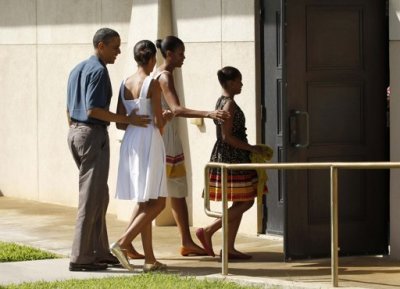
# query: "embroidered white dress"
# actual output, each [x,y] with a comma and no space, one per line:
[176,171]
[141,170]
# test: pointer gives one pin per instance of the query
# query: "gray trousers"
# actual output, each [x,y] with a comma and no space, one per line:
[90,149]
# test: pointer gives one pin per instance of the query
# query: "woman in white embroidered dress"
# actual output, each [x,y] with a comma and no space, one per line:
[141,171]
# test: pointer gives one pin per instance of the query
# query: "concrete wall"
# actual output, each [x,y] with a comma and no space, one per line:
[216,33]
[42,40]
[394,44]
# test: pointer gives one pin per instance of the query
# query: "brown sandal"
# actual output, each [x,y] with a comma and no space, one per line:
[132,254]
[185,251]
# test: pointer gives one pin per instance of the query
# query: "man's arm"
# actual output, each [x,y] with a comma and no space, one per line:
[121,110]
[106,115]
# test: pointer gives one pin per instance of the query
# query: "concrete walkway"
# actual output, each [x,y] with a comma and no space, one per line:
[50,227]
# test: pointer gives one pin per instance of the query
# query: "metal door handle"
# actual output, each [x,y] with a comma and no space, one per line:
[294,129]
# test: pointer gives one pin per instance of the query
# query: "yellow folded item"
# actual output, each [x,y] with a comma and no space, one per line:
[266,155]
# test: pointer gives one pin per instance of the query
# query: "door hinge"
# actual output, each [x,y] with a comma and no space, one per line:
[262,14]
[263,113]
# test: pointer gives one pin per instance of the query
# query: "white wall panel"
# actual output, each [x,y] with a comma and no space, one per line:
[242,56]
[117,17]
[394,19]
[18,130]
[58,174]
[73,22]
[17,22]
[197,21]
[238,20]
[200,89]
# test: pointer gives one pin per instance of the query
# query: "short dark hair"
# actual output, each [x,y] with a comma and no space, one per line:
[143,51]
[170,43]
[104,35]
[228,73]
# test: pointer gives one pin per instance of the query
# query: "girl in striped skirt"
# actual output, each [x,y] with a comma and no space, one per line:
[231,147]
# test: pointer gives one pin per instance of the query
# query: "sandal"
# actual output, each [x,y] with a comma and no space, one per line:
[185,251]
[134,255]
[115,248]
[156,266]
[131,253]
[202,238]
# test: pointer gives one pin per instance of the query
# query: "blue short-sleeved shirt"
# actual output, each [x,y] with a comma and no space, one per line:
[89,86]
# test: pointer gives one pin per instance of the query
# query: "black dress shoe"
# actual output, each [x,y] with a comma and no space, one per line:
[111,261]
[87,267]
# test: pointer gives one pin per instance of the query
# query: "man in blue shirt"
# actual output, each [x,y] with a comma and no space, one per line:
[88,99]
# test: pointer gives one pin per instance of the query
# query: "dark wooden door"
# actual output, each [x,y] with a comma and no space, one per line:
[274,107]
[336,68]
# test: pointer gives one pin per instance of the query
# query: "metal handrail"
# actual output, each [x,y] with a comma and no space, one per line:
[332,166]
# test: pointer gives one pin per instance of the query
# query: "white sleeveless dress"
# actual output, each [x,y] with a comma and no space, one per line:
[141,170]
[176,171]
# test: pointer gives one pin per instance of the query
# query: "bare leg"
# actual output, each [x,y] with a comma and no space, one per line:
[130,250]
[147,242]
[135,212]
[235,213]
[232,232]
[146,214]
[181,216]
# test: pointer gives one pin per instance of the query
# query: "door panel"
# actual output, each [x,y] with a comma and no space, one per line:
[325,103]
[337,43]
[336,75]
[273,102]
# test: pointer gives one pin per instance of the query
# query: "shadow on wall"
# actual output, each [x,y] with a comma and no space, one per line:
[49,12]
[1,194]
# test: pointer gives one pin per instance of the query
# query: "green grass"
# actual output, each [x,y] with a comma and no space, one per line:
[12,252]
[143,281]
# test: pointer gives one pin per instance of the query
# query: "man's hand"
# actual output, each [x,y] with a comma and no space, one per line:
[138,120]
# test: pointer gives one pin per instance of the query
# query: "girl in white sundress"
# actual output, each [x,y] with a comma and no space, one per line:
[141,171]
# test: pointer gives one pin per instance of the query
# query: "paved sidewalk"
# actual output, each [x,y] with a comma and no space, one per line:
[50,227]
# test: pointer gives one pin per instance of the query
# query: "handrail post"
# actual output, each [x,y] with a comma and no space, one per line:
[334,167]
[334,225]
[224,221]
[206,189]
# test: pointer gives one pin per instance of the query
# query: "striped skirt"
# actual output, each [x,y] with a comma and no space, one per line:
[241,185]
